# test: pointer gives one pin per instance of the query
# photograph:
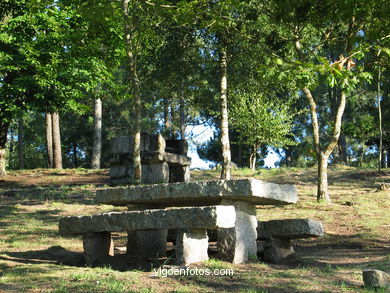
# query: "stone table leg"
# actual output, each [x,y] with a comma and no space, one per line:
[191,246]
[276,250]
[238,244]
[147,244]
[97,246]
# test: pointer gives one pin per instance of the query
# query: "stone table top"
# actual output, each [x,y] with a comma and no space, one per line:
[199,193]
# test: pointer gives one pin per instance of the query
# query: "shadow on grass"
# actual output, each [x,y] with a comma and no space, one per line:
[54,254]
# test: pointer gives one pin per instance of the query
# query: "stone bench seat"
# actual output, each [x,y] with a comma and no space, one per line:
[192,223]
[278,234]
[202,193]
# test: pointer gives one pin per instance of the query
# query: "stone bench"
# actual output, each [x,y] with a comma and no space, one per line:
[236,244]
[192,223]
[162,160]
[278,234]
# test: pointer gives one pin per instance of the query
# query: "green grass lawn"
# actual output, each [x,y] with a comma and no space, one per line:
[35,258]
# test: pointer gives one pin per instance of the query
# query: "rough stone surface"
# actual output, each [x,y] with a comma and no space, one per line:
[238,244]
[149,143]
[174,159]
[191,246]
[97,246]
[179,173]
[155,173]
[376,278]
[176,146]
[201,193]
[290,229]
[210,217]
[277,250]
[147,244]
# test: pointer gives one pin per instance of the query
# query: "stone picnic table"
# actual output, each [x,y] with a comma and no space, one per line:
[190,207]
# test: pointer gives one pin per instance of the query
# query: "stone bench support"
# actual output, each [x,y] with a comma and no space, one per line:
[191,246]
[191,242]
[238,244]
[278,234]
[97,246]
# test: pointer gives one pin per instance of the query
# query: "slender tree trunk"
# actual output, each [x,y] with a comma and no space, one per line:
[57,155]
[49,140]
[362,155]
[21,144]
[3,148]
[226,155]
[323,154]
[342,143]
[182,116]
[75,161]
[380,122]
[167,118]
[97,135]
[253,158]
[323,193]
[240,154]
[136,91]
[289,159]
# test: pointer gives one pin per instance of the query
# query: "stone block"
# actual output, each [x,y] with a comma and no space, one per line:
[97,246]
[174,159]
[376,278]
[191,246]
[201,193]
[290,229]
[179,173]
[176,146]
[149,143]
[147,244]
[210,217]
[238,244]
[277,250]
[155,173]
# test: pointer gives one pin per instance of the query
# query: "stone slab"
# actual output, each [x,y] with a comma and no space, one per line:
[147,244]
[97,246]
[277,250]
[376,278]
[200,193]
[290,229]
[191,246]
[238,244]
[149,143]
[211,217]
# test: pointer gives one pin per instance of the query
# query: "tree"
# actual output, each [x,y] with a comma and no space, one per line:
[316,43]
[261,121]
[97,134]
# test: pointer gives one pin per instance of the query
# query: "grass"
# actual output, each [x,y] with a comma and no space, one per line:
[35,258]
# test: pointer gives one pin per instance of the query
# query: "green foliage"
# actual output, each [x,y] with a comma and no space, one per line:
[260,120]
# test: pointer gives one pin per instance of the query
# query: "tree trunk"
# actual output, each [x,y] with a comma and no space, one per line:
[380,122]
[252,158]
[167,118]
[362,155]
[49,140]
[240,155]
[3,148]
[342,143]
[136,92]
[57,155]
[322,190]
[97,135]
[289,159]
[75,161]
[226,155]
[182,116]
[21,144]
